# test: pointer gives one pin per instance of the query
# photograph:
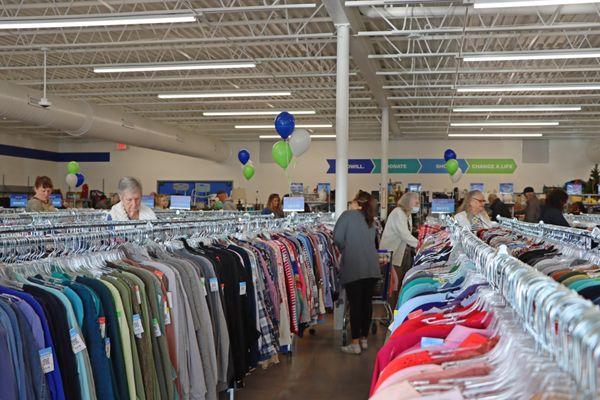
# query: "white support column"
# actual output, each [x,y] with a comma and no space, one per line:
[385,141]
[341,118]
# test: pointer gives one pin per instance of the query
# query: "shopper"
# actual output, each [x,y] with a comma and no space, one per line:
[40,202]
[130,207]
[273,206]
[227,203]
[354,234]
[556,201]
[161,201]
[397,234]
[472,212]
[497,207]
[533,210]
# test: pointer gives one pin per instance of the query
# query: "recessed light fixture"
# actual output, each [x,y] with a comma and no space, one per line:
[504,123]
[272,127]
[312,137]
[496,135]
[253,113]
[515,109]
[175,66]
[529,88]
[86,21]
[532,55]
[529,3]
[212,95]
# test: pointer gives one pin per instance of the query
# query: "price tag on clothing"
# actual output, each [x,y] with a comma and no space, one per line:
[214,284]
[107,347]
[203,287]
[242,288]
[170,299]
[102,323]
[167,315]
[156,326]
[77,343]
[320,247]
[138,296]
[429,341]
[47,360]
[138,328]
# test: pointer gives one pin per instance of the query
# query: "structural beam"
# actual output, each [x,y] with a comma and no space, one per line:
[341,117]
[385,140]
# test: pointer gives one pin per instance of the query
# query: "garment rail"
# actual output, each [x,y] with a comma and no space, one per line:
[564,324]
[588,220]
[80,214]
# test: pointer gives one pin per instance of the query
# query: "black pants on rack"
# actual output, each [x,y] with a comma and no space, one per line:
[360,296]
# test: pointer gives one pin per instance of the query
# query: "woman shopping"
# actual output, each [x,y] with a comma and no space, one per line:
[472,212]
[354,234]
[273,206]
[397,234]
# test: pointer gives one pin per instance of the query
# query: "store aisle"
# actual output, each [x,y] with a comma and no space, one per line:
[318,370]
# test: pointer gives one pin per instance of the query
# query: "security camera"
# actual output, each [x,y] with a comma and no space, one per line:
[44,102]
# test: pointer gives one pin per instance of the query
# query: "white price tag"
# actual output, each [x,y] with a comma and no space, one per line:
[203,287]
[320,247]
[138,296]
[167,315]
[47,360]
[102,323]
[76,341]
[156,326]
[242,288]
[138,328]
[170,299]
[107,347]
[214,284]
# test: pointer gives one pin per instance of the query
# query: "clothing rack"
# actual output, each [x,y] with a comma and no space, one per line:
[564,324]
[588,219]
[80,214]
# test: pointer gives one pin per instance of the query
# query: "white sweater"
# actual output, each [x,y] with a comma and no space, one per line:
[397,234]
[118,213]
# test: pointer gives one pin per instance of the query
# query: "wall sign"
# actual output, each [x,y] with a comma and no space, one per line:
[427,166]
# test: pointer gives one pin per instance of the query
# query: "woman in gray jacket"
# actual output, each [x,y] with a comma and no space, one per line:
[354,234]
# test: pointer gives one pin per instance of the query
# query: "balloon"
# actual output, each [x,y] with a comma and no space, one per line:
[80,179]
[449,155]
[451,166]
[282,153]
[73,167]
[248,172]
[456,177]
[250,163]
[285,124]
[244,156]
[71,180]
[299,142]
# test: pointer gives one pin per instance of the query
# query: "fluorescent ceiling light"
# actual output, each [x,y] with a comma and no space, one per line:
[211,95]
[529,3]
[85,21]
[272,127]
[502,123]
[529,88]
[484,135]
[515,109]
[177,66]
[252,113]
[535,55]
[311,136]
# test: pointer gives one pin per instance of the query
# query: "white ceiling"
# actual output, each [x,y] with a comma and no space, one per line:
[415,49]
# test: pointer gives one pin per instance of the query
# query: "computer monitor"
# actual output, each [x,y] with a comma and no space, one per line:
[477,186]
[296,187]
[56,200]
[291,204]
[414,187]
[326,186]
[181,202]
[442,206]
[148,201]
[506,188]
[18,200]
[574,188]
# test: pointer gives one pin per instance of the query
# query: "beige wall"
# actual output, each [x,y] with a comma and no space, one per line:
[17,171]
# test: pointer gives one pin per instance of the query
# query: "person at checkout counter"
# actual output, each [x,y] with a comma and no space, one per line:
[130,207]
[40,202]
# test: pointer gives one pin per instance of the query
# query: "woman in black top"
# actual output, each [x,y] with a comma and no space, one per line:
[552,212]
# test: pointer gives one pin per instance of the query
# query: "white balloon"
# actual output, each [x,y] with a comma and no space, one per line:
[592,151]
[250,163]
[71,180]
[457,175]
[299,142]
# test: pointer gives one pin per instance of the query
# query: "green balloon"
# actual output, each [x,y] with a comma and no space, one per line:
[282,153]
[73,167]
[452,166]
[248,171]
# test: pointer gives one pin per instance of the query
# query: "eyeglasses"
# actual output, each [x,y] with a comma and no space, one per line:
[480,200]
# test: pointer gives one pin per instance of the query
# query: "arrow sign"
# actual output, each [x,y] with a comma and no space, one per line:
[438,165]
[355,166]
[404,166]
[491,166]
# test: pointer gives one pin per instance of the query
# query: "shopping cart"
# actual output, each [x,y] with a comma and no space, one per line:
[381,297]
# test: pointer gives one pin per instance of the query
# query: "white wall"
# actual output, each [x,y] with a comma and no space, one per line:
[567,161]
[16,170]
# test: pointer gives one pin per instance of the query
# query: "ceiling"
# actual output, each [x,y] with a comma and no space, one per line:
[416,51]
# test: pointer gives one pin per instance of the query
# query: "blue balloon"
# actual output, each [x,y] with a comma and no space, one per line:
[244,156]
[80,179]
[449,155]
[285,124]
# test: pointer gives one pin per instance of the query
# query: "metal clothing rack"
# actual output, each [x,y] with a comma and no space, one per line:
[564,324]
[593,219]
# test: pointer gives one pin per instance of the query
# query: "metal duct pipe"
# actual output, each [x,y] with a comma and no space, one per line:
[460,11]
[79,118]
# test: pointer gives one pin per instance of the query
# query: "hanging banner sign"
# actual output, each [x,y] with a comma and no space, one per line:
[427,166]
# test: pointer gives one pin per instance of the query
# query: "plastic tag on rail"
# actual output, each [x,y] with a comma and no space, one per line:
[76,341]
[242,288]
[138,328]
[47,360]
[214,284]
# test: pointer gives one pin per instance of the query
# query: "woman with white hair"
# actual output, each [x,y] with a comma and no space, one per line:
[471,213]
[130,207]
[398,231]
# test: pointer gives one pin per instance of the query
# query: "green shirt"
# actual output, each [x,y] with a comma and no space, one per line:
[36,205]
